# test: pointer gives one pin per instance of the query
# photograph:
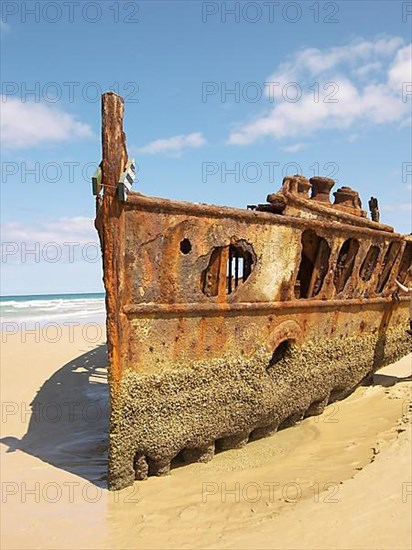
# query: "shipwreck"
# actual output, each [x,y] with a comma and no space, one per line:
[225,324]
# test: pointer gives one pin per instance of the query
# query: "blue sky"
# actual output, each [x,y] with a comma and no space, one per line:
[339,104]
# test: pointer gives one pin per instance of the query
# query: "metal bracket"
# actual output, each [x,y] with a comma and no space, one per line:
[97,180]
[126,180]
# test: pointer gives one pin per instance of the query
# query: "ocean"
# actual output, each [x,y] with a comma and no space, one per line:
[45,308]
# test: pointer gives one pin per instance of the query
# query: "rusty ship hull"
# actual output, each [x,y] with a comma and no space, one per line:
[225,325]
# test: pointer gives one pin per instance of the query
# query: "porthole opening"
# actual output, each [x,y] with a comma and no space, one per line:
[185,246]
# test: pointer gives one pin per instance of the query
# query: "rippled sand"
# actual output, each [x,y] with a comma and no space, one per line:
[341,480]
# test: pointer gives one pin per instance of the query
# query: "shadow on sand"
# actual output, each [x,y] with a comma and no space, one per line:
[69,420]
[386,380]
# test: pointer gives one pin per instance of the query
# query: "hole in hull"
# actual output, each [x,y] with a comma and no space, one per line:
[185,246]
[229,267]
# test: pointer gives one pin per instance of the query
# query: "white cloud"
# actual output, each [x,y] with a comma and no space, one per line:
[401,68]
[343,100]
[293,148]
[78,229]
[317,61]
[31,124]
[368,69]
[173,145]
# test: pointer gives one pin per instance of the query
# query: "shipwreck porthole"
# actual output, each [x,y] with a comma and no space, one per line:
[185,246]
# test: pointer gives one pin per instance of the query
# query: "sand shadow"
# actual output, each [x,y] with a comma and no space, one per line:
[387,381]
[69,419]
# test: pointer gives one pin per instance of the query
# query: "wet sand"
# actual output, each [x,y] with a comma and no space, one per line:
[340,480]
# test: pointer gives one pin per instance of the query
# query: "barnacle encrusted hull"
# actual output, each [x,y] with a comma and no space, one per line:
[224,324]
[197,409]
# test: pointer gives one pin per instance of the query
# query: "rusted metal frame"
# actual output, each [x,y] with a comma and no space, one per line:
[391,254]
[200,307]
[353,251]
[355,277]
[314,274]
[339,268]
[347,270]
[393,272]
[372,258]
[164,206]
[211,274]
[329,212]
[295,283]
[317,266]
[329,290]
[372,284]
[222,271]
[247,267]
[111,225]
[404,264]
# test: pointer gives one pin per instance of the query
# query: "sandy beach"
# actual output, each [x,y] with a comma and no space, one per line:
[340,480]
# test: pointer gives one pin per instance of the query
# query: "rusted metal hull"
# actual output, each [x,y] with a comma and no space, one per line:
[218,331]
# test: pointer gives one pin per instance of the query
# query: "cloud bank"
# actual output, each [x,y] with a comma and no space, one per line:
[360,83]
[174,145]
[30,124]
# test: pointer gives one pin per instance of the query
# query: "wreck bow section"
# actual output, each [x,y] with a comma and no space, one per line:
[226,324]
